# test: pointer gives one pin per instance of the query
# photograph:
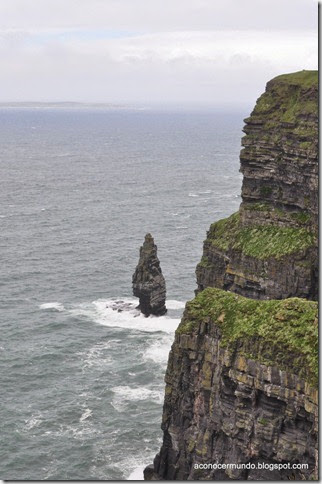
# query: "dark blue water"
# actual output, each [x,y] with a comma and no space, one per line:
[82,385]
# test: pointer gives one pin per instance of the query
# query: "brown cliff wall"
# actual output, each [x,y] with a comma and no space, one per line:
[269,250]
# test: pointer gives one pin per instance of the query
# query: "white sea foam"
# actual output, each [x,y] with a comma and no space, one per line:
[124,394]
[193,195]
[137,474]
[82,432]
[182,215]
[158,352]
[123,314]
[33,421]
[98,355]
[86,415]
[173,304]
[56,306]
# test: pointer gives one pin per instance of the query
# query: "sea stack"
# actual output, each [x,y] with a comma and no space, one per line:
[148,281]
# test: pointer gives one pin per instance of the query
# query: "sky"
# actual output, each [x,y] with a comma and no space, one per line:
[146,52]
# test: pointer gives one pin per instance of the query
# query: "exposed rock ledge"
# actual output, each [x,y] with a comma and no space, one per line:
[241,387]
[269,248]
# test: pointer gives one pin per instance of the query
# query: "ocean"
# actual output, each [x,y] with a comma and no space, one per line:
[82,383]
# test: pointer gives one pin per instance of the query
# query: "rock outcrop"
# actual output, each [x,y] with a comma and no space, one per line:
[269,248]
[241,388]
[241,382]
[148,281]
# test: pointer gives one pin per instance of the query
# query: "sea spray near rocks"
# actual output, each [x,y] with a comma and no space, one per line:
[148,281]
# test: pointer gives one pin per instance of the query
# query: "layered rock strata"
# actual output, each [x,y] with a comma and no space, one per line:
[148,281]
[241,382]
[269,248]
[241,388]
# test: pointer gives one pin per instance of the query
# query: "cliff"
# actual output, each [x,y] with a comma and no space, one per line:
[241,382]
[269,248]
[241,388]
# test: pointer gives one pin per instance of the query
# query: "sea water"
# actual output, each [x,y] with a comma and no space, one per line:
[83,379]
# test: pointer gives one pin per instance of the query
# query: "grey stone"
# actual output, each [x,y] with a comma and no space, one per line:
[148,281]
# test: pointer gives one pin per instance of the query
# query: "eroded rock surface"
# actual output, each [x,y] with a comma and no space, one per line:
[241,393]
[241,380]
[148,281]
[269,248]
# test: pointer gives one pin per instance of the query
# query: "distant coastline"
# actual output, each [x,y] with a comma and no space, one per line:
[68,104]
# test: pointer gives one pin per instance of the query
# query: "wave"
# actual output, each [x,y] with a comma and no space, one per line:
[33,421]
[182,216]
[56,306]
[158,352]
[81,432]
[124,394]
[123,313]
[85,415]
[174,304]
[137,474]
[98,355]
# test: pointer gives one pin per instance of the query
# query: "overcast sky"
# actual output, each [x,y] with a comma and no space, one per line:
[213,52]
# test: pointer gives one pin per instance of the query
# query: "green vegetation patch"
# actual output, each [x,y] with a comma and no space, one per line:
[281,333]
[263,421]
[301,217]
[303,78]
[204,262]
[260,241]
[286,98]
[258,207]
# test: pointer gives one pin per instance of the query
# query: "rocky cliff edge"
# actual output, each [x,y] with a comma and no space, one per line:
[241,382]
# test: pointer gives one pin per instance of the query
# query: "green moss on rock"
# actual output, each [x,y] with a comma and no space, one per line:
[301,217]
[263,421]
[258,207]
[302,78]
[283,101]
[281,333]
[204,262]
[260,241]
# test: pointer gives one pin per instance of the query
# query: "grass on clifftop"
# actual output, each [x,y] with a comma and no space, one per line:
[284,100]
[281,333]
[303,78]
[260,241]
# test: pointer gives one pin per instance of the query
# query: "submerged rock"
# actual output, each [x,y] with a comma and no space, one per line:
[148,281]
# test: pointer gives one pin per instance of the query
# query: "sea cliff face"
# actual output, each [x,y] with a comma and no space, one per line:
[269,248]
[241,381]
[241,389]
